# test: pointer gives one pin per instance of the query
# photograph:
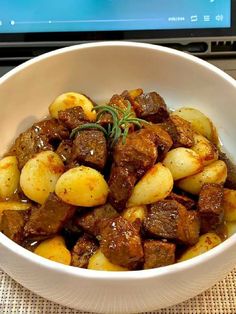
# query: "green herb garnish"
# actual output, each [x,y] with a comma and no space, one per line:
[122,119]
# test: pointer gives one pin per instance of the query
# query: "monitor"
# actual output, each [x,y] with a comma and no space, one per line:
[198,26]
[112,15]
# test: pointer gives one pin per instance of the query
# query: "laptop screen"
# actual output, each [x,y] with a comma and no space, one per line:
[44,16]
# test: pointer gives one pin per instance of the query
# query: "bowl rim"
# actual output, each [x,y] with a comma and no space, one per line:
[121,275]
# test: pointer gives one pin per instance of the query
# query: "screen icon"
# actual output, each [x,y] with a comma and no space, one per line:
[219,17]
[206,18]
[194,18]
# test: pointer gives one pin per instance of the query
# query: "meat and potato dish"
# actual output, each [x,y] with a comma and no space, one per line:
[128,185]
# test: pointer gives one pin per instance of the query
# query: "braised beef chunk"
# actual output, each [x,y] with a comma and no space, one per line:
[89,222]
[71,232]
[44,135]
[121,242]
[184,200]
[180,131]
[121,184]
[90,148]
[64,150]
[49,218]
[52,130]
[158,253]
[12,224]
[116,101]
[210,206]
[131,95]
[170,220]
[72,117]
[231,171]
[84,248]
[191,228]
[151,107]
[137,154]
[160,138]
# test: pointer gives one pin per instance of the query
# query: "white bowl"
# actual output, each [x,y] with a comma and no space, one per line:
[99,70]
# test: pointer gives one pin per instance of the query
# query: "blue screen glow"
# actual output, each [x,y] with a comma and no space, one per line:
[105,15]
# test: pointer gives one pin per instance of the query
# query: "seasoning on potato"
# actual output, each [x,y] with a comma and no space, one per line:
[13,205]
[136,212]
[9,176]
[155,185]
[39,176]
[82,186]
[70,100]
[229,205]
[98,261]
[205,149]
[230,228]
[206,242]
[182,162]
[55,250]
[200,122]
[216,172]
[121,186]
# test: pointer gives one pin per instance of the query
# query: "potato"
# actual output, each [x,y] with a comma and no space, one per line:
[205,243]
[70,100]
[229,205]
[182,162]
[205,149]
[230,228]
[14,206]
[155,185]
[82,186]
[200,122]
[98,261]
[55,250]
[9,176]
[216,172]
[136,212]
[40,174]
[135,92]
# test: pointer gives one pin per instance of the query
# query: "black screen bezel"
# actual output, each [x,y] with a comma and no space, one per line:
[121,35]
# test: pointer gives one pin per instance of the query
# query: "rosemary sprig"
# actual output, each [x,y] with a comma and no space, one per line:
[121,121]
[88,126]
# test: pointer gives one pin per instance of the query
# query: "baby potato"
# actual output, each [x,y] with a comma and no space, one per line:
[200,122]
[182,162]
[82,186]
[230,228]
[9,176]
[70,100]
[205,149]
[55,250]
[155,185]
[98,261]
[205,243]
[14,206]
[229,205]
[135,92]
[136,212]
[216,172]
[40,174]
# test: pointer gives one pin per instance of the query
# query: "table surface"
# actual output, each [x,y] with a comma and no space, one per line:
[220,299]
